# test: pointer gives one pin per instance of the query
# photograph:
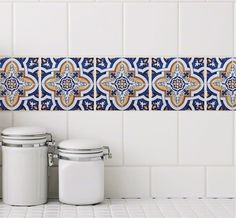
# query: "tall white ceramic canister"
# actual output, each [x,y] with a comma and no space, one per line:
[25,165]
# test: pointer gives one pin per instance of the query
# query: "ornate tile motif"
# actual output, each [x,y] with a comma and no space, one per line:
[221,84]
[122,84]
[19,84]
[67,84]
[177,84]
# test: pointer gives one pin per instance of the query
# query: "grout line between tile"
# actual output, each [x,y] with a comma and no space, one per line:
[12,29]
[68,28]
[178,29]
[12,114]
[176,208]
[40,83]
[8,216]
[178,143]
[123,53]
[123,28]
[118,1]
[13,118]
[126,208]
[95,83]
[234,116]
[123,144]
[233,148]
[205,181]
[67,56]
[67,124]
[233,7]
[150,83]
[209,209]
[156,166]
[121,1]
[12,54]
[205,84]
[170,165]
[150,182]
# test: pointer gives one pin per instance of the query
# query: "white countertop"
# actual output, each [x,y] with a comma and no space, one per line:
[124,208]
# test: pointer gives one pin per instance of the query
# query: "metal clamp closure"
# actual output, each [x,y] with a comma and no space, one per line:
[108,154]
[51,157]
[80,158]
[52,153]
[55,155]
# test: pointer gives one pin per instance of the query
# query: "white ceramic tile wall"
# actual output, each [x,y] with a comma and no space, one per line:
[202,32]
[54,121]
[93,34]
[40,29]
[154,32]
[178,181]
[206,138]
[216,176]
[105,127]
[150,138]
[6,32]
[174,154]
[127,182]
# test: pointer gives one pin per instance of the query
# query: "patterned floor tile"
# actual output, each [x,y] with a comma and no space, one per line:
[122,84]
[67,84]
[177,83]
[19,84]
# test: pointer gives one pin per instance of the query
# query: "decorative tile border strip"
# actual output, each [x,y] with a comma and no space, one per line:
[141,83]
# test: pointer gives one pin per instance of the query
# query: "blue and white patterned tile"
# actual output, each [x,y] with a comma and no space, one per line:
[122,83]
[177,84]
[4,105]
[67,84]
[158,99]
[194,74]
[48,99]
[19,88]
[221,83]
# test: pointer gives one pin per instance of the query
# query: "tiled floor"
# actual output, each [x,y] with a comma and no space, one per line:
[124,208]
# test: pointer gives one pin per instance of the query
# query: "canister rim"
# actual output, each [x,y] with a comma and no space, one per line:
[80,145]
[22,136]
[24,131]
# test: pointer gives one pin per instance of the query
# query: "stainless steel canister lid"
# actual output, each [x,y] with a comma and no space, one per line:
[82,149]
[24,136]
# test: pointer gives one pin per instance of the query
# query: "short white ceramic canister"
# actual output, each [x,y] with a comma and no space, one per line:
[25,165]
[81,171]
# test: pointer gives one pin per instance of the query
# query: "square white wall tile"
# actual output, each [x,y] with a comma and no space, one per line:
[126,182]
[5,122]
[95,29]
[6,29]
[206,29]
[206,137]
[221,182]
[150,138]
[150,29]
[40,29]
[104,126]
[178,182]
[54,121]
[53,182]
